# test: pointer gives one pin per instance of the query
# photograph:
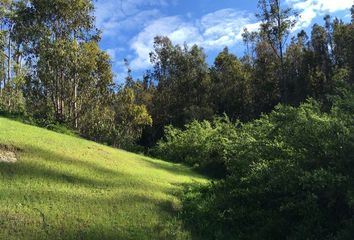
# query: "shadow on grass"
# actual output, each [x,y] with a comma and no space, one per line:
[47,213]
[64,171]
[66,222]
[173,168]
[48,165]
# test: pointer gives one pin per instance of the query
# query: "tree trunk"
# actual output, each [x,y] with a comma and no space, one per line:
[3,79]
[9,59]
[75,106]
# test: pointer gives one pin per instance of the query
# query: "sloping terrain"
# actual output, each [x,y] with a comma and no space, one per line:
[62,187]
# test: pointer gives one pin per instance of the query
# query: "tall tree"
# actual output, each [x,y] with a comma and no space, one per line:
[297,60]
[344,46]
[11,72]
[231,86]
[275,26]
[265,80]
[5,43]
[320,64]
[250,40]
[50,34]
[183,84]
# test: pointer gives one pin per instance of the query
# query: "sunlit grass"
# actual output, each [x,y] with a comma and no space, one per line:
[64,187]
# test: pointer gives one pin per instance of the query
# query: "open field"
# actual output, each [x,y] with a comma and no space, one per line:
[62,187]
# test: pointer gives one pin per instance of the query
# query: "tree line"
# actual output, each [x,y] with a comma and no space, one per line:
[282,156]
[276,68]
[274,127]
[53,71]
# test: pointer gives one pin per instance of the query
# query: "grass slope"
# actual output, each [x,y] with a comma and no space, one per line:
[64,187]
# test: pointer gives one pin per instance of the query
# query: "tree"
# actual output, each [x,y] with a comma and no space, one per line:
[94,85]
[265,85]
[290,177]
[69,78]
[344,45]
[231,87]
[130,118]
[11,72]
[297,60]
[250,40]
[321,67]
[275,26]
[182,85]
[5,42]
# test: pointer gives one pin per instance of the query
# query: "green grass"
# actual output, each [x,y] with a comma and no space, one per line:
[64,187]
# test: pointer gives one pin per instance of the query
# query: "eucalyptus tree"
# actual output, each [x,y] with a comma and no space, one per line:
[231,86]
[250,40]
[298,59]
[92,109]
[52,35]
[183,83]
[265,79]
[276,23]
[11,71]
[344,46]
[5,42]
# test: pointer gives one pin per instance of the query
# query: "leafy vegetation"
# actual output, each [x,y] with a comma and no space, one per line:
[290,176]
[54,72]
[275,127]
[63,187]
[202,145]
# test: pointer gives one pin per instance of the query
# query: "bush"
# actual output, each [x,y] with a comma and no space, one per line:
[291,176]
[60,128]
[201,145]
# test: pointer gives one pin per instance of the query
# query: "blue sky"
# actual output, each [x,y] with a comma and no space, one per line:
[129,26]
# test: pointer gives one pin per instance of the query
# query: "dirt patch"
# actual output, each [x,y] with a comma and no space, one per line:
[8,154]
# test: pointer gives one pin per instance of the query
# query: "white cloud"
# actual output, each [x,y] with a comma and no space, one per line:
[348,16]
[173,27]
[115,27]
[310,9]
[211,31]
[113,16]
[223,27]
[113,53]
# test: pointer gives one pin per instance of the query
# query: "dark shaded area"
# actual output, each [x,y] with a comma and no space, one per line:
[38,170]
[291,176]
[175,169]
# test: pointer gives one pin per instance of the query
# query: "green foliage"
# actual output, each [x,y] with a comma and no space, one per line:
[231,87]
[130,118]
[12,100]
[183,84]
[290,177]
[98,123]
[60,128]
[276,23]
[202,145]
[287,175]
[54,71]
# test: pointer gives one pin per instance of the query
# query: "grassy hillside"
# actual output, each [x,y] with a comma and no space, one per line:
[64,187]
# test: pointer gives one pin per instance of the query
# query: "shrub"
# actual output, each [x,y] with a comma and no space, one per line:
[60,128]
[291,176]
[201,145]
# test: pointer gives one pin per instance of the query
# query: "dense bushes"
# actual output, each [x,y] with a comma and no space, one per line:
[202,145]
[290,176]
